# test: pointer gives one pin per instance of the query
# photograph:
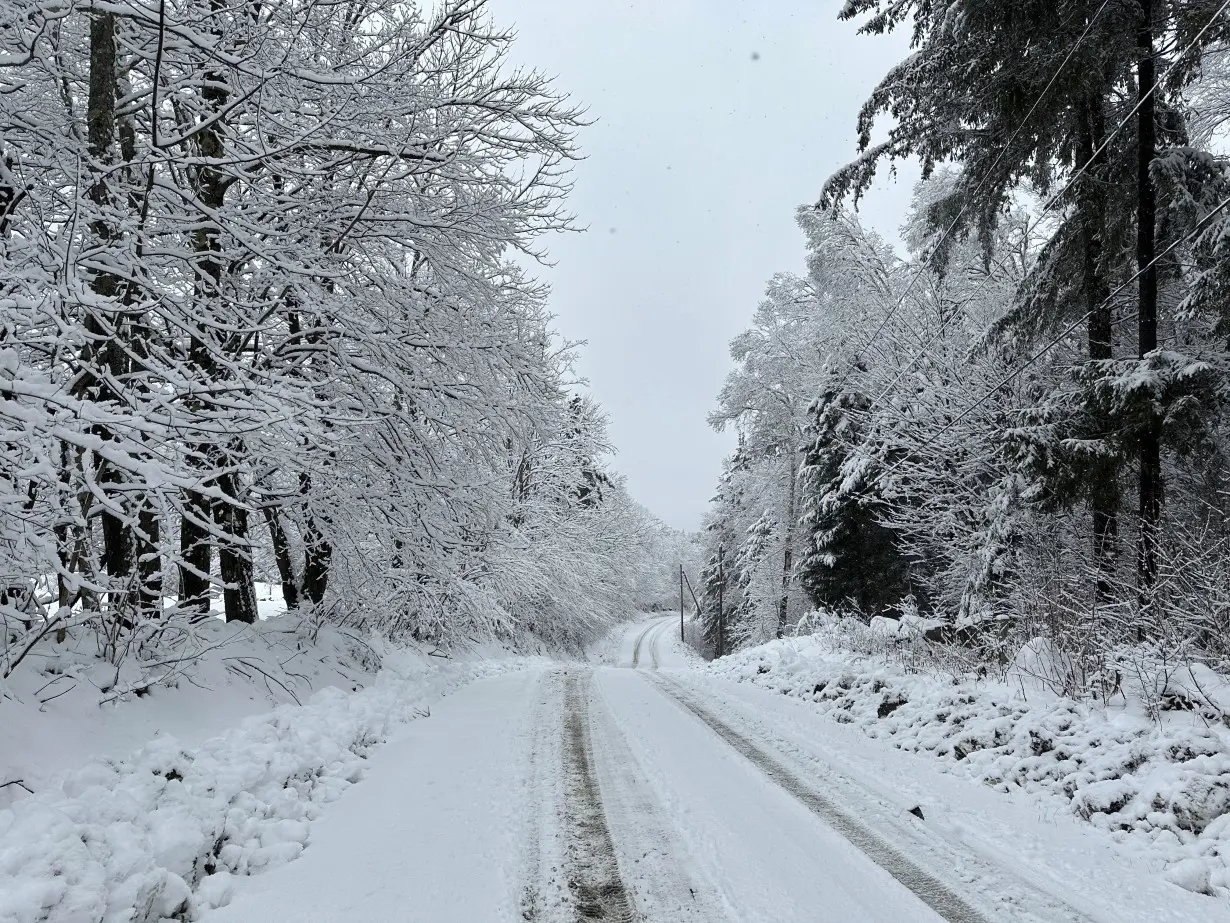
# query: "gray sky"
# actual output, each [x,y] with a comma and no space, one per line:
[715,120]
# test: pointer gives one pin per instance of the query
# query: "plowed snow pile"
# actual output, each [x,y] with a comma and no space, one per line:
[159,834]
[1162,786]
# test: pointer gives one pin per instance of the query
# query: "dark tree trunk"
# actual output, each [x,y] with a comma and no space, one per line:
[318,555]
[235,554]
[100,127]
[63,530]
[1146,216]
[119,544]
[1104,486]
[149,561]
[281,556]
[317,551]
[230,515]
[195,552]
[196,540]
[148,533]
[9,195]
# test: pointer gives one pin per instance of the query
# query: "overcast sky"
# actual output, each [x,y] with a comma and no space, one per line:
[715,120]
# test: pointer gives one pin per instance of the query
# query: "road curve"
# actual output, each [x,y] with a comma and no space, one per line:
[648,638]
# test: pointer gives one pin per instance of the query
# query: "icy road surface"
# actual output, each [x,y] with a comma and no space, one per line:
[645,790]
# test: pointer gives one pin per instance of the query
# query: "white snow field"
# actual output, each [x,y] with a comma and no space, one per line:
[642,787]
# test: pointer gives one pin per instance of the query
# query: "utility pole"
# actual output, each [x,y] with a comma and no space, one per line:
[721,637]
[681,636]
[696,607]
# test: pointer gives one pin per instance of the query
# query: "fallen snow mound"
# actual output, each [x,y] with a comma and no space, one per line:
[158,835]
[1164,789]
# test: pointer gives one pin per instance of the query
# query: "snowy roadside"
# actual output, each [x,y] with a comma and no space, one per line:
[158,834]
[70,704]
[1161,790]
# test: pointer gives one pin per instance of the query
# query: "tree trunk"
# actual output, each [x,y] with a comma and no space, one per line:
[783,606]
[195,553]
[235,554]
[63,530]
[281,556]
[119,545]
[149,561]
[318,555]
[317,551]
[1104,486]
[9,195]
[229,514]
[1146,213]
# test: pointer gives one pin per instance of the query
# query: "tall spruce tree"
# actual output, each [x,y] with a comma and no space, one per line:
[1060,97]
[851,558]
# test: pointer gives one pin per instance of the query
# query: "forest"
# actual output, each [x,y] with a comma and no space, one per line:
[268,316]
[1017,428]
[323,595]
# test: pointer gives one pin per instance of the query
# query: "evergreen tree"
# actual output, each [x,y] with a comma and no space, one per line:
[1060,120]
[852,558]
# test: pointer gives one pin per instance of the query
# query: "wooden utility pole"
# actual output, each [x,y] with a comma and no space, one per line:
[685,582]
[681,637]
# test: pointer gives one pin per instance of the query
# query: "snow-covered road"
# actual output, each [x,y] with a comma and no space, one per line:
[646,790]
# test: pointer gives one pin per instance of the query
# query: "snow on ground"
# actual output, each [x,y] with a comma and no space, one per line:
[66,704]
[433,834]
[474,815]
[161,832]
[1162,792]
[470,817]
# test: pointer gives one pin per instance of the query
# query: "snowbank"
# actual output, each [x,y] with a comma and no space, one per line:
[158,834]
[67,705]
[1165,790]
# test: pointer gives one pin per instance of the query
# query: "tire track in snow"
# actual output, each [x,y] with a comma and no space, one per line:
[650,634]
[636,648]
[597,890]
[929,889]
[1011,891]
[656,867]
[543,894]
[654,652]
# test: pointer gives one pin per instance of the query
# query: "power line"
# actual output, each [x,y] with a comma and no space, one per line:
[987,175]
[1045,208]
[1063,334]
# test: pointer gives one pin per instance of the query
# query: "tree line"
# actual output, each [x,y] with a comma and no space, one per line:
[1018,426]
[264,309]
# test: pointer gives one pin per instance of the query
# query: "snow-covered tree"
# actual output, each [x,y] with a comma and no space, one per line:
[261,298]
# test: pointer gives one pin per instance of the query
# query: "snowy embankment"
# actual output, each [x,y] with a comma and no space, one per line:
[159,834]
[1160,788]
